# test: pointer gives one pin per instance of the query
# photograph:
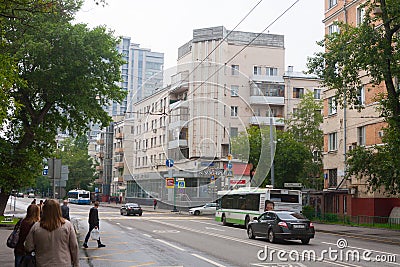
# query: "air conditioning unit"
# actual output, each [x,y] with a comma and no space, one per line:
[154,130]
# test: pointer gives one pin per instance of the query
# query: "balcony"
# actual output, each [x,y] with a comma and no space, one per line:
[119,150]
[99,168]
[265,78]
[100,142]
[177,143]
[180,82]
[276,121]
[119,135]
[98,181]
[119,179]
[100,155]
[267,100]
[118,165]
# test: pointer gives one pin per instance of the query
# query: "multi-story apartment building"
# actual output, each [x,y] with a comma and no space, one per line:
[142,75]
[225,81]
[346,128]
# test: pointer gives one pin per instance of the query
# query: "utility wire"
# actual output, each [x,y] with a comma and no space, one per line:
[219,44]
[247,45]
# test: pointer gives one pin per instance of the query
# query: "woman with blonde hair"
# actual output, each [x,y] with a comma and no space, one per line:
[32,216]
[53,239]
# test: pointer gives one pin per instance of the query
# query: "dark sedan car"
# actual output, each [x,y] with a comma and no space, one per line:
[131,208]
[280,225]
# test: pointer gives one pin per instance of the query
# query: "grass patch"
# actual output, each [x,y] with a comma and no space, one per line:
[7,220]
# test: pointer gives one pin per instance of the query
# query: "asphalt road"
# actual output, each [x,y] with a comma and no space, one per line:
[170,239]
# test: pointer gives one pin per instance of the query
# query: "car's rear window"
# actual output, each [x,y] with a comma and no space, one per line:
[133,205]
[290,216]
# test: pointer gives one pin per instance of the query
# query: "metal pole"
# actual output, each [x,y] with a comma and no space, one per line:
[271,139]
[54,178]
[170,175]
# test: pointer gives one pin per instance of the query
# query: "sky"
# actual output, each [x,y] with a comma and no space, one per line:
[165,25]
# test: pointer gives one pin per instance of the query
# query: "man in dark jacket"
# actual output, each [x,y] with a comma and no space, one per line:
[93,224]
[65,210]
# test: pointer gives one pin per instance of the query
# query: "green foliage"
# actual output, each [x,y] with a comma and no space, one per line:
[304,125]
[60,77]
[74,153]
[368,52]
[290,160]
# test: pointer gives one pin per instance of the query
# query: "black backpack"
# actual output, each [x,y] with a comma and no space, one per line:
[12,240]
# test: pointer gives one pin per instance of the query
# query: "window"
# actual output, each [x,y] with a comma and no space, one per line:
[332,175]
[332,142]
[317,93]
[332,106]
[360,15]
[361,135]
[257,70]
[333,28]
[271,71]
[234,132]
[235,69]
[234,90]
[332,3]
[234,111]
[361,96]
[298,92]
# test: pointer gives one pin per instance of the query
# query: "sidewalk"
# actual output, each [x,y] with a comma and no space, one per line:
[377,234]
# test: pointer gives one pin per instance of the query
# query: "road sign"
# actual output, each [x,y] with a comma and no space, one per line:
[181,184]
[45,171]
[169,163]
[169,182]
[229,165]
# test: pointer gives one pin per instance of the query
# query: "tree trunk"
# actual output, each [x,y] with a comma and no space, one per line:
[3,202]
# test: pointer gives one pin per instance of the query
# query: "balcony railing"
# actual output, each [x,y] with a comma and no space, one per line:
[100,141]
[276,121]
[99,168]
[177,143]
[118,165]
[119,150]
[100,154]
[267,100]
[119,179]
[119,135]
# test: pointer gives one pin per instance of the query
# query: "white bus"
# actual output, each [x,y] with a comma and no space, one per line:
[241,205]
[78,196]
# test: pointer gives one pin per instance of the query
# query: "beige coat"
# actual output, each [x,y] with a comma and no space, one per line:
[57,248]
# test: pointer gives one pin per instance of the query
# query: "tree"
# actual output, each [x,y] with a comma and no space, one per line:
[289,159]
[370,50]
[305,126]
[66,74]
[74,153]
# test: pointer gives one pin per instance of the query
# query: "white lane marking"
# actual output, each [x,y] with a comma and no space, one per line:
[243,241]
[166,231]
[377,251]
[216,229]
[117,223]
[129,228]
[147,235]
[171,245]
[208,260]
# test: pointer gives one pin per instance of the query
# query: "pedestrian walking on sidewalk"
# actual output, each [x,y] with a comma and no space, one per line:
[65,210]
[32,216]
[93,224]
[53,238]
[155,204]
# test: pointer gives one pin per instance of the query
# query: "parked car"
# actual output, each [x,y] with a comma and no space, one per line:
[208,208]
[281,225]
[20,194]
[131,208]
[31,195]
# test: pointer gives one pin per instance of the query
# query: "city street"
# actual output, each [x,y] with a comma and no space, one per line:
[164,238]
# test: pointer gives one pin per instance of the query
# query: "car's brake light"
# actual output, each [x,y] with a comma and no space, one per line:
[311,225]
[283,224]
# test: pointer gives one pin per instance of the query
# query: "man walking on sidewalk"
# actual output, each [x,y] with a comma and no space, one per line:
[93,224]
